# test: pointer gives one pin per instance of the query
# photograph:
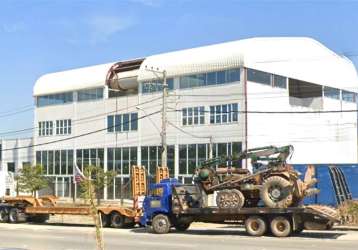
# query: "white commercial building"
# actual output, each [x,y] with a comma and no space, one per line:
[237,95]
[14,154]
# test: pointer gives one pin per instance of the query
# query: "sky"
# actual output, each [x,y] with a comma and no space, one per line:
[44,36]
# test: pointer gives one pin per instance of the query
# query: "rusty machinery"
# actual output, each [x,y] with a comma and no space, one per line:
[272,181]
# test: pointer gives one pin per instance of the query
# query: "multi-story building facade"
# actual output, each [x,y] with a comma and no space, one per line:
[222,98]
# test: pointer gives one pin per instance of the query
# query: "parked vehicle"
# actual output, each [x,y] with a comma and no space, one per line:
[172,204]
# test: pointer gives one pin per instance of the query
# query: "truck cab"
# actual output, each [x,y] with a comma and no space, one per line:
[161,210]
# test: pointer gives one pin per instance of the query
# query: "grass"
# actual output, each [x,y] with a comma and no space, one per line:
[349,212]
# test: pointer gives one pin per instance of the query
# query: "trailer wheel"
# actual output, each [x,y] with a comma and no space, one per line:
[161,224]
[281,227]
[276,192]
[14,215]
[105,220]
[255,226]
[4,215]
[182,226]
[117,220]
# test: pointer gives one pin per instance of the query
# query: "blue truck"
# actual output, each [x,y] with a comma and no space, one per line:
[170,204]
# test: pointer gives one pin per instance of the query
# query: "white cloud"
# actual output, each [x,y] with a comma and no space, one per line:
[101,28]
[12,27]
[151,3]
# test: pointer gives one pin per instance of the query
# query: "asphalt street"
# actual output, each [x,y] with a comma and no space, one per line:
[69,237]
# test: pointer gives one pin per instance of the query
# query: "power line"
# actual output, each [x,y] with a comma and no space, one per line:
[78,136]
[77,121]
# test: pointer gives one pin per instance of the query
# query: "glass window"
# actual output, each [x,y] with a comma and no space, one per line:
[212,114]
[118,123]
[331,92]
[185,116]
[110,123]
[110,158]
[202,115]
[55,99]
[63,170]
[70,161]
[57,162]
[348,96]
[190,116]
[182,159]
[134,121]
[220,77]
[211,78]
[125,160]
[233,75]
[279,81]
[126,122]
[90,94]
[156,86]
[144,158]
[258,76]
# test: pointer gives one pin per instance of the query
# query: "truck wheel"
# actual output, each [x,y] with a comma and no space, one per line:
[161,224]
[117,220]
[238,199]
[276,192]
[255,226]
[182,226]
[105,220]
[39,218]
[14,215]
[4,215]
[281,226]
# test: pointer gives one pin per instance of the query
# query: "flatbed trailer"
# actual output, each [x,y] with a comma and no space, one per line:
[179,205]
[27,208]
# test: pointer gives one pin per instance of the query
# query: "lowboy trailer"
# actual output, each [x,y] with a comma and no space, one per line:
[27,208]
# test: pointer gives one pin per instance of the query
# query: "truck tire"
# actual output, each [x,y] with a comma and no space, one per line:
[14,215]
[276,192]
[106,219]
[4,215]
[117,220]
[280,226]
[38,218]
[161,224]
[255,226]
[182,226]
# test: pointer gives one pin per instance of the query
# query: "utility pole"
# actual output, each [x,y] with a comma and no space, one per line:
[163,134]
[164,121]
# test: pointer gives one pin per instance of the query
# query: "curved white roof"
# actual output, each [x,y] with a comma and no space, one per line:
[70,80]
[295,57]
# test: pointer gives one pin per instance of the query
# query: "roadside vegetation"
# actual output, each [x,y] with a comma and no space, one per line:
[95,179]
[349,212]
[31,179]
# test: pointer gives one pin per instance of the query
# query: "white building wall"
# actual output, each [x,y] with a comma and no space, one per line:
[316,137]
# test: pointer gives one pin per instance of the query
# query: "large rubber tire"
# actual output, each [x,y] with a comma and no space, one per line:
[280,226]
[161,224]
[106,219]
[4,215]
[255,226]
[14,215]
[276,192]
[230,199]
[38,218]
[117,220]
[182,226]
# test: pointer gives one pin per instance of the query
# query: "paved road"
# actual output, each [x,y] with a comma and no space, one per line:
[38,237]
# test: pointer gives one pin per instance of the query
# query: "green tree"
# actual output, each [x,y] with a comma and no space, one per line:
[95,179]
[31,179]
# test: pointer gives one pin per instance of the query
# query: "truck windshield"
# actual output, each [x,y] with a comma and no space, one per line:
[156,191]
